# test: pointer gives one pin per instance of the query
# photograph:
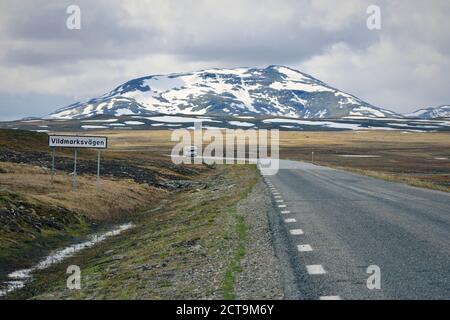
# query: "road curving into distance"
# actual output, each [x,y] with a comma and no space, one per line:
[330,226]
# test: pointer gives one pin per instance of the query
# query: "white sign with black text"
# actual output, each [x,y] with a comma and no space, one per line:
[78,142]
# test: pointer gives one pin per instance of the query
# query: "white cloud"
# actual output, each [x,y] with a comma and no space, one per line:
[403,66]
[402,76]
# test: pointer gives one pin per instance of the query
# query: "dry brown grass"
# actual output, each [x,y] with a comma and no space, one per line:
[419,159]
[141,144]
[407,157]
[187,249]
[117,199]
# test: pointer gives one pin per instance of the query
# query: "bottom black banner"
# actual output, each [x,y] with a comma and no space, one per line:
[212,309]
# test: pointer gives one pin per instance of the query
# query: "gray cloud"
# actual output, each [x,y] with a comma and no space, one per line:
[403,66]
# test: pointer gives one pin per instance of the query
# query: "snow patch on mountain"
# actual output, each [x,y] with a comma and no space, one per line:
[431,113]
[271,91]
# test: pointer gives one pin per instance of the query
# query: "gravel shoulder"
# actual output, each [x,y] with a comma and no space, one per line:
[261,275]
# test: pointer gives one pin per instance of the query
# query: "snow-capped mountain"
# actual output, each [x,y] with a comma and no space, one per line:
[272,91]
[431,113]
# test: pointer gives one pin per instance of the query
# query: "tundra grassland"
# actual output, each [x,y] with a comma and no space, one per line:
[187,239]
[420,159]
[38,215]
[188,247]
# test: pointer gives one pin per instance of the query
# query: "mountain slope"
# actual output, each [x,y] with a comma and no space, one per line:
[431,113]
[272,91]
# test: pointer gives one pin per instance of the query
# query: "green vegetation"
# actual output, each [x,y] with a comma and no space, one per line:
[37,217]
[234,265]
[29,230]
[187,247]
[23,140]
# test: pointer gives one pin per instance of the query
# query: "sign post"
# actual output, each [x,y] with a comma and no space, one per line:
[74,178]
[76,142]
[53,163]
[98,170]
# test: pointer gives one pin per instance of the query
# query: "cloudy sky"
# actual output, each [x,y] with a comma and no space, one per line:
[44,65]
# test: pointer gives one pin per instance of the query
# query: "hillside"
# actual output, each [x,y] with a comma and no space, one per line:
[37,216]
[271,91]
[431,113]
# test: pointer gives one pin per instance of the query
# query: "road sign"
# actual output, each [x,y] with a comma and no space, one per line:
[78,142]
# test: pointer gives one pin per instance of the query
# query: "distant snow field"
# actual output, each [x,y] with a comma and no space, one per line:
[329,124]
[241,124]
[100,120]
[93,127]
[177,119]
[134,123]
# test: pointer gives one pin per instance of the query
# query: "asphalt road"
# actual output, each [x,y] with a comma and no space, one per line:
[345,223]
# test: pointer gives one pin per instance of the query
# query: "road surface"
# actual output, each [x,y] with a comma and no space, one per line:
[329,226]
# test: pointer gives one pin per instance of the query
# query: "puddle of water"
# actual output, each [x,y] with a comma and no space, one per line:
[19,278]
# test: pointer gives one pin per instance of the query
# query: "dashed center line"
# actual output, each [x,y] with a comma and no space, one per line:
[315,269]
[304,248]
[296,232]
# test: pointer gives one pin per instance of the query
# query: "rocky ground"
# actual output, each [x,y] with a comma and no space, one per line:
[209,241]
[260,277]
[117,169]
[187,247]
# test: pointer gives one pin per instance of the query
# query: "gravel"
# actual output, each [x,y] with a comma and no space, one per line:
[261,271]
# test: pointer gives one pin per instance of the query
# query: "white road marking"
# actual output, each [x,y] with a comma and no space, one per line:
[279,201]
[315,269]
[304,248]
[285,212]
[277,196]
[330,298]
[292,220]
[282,206]
[296,232]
